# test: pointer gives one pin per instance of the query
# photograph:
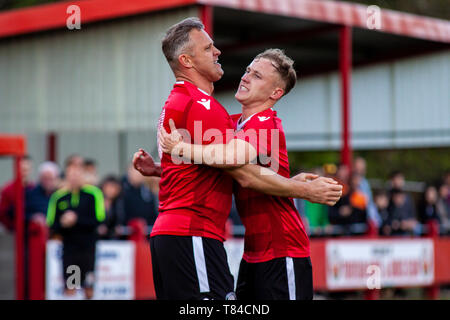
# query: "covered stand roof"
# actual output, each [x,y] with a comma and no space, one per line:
[306,29]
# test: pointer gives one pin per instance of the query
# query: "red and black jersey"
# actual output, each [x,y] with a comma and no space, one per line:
[194,199]
[273,227]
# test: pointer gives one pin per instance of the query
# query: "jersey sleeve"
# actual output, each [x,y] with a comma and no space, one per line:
[53,213]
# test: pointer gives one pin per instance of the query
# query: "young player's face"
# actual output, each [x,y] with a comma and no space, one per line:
[205,56]
[258,84]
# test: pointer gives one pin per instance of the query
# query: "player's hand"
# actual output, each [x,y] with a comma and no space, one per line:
[169,141]
[305,177]
[324,190]
[143,162]
[68,219]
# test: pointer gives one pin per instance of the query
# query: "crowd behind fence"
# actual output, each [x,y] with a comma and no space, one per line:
[396,207]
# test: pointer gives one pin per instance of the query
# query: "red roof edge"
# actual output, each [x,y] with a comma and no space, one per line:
[348,14]
[53,16]
[12,145]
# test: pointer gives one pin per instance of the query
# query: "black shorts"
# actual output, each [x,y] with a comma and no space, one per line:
[277,279]
[190,268]
[82,257]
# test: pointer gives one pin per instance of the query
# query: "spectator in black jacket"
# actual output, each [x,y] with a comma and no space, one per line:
[381,200]
[403,218]
[112,192]
[429,210]
[138,200]
[350,211]
[36,199]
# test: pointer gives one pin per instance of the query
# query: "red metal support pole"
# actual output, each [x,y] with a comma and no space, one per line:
[37,239]
[206,16]
[345,66]
[433,291]
[19,225]
[51,146]
[372,233]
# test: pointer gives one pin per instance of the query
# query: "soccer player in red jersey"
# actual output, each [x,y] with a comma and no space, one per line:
[276,263]
[188,257]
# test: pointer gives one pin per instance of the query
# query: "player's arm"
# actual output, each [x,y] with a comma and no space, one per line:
[319,190]
[53,213]
[145,164]
[234,154]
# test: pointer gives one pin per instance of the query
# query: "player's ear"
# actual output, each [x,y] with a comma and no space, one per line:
[277,93]
[185,60]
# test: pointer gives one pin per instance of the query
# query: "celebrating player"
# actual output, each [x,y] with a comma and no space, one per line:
[276,263]
[188,257]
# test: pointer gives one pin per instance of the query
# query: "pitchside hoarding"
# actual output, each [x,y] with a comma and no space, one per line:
[391,263]
[114,271]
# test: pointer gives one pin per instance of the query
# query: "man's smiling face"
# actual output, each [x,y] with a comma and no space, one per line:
[205,55]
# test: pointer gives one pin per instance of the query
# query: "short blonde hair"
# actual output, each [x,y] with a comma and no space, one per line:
[284,66]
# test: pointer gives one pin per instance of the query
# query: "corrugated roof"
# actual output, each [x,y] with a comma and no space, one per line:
[53,16]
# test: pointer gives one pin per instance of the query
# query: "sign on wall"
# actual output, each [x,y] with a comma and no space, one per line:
[362,264]
[114,268]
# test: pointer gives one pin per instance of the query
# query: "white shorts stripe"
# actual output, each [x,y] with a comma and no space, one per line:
[290,277]
[200,264]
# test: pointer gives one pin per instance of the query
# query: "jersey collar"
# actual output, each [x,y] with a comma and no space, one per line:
[268,112]
[187,83]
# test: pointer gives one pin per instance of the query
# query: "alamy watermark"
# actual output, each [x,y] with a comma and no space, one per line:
[74,280]
[374,279]
[74,20]
[373,20]
[267,141]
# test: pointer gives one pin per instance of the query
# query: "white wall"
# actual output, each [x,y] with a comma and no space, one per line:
[401,104]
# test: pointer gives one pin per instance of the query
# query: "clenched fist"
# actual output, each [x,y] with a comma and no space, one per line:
[323,190]
[144,163]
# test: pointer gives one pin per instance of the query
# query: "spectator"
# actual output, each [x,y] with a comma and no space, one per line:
[397,181]
[381,200]
[8,193]
[36,202]
[359,167]
[428,208]
[90,169]
[443,207]
[138,200]
[351,209]
[343,177]
[403,218]
[316,215]
[446,182]
[74,213]
[153,184]
[112,192]
[37,198]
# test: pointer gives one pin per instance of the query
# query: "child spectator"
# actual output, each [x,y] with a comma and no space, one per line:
[381,200]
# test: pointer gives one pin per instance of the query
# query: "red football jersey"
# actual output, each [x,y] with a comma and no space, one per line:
[273,227]
[194,199]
